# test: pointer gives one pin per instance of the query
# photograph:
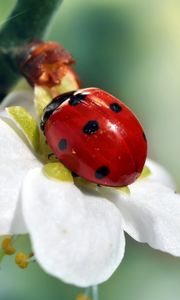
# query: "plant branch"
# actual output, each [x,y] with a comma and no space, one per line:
[27,22]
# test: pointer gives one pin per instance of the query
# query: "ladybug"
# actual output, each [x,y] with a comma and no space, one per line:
[96,136]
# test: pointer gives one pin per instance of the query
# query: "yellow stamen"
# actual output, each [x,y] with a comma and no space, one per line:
[82,297]
[23,260]
[7,246]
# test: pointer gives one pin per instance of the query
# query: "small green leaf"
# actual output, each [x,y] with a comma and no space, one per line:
[145,173]
[57,171]
[26,123]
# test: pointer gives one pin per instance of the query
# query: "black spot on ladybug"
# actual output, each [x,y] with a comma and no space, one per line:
[91,127]
[62,144]
[76,99]
[101,172]
[52,106]
[115,107]
[144,136]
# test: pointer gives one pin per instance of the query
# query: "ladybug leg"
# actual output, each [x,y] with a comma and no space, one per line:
[74,174]
[50,155]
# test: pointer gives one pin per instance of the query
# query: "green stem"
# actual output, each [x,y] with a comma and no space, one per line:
[95,294]
[30,21]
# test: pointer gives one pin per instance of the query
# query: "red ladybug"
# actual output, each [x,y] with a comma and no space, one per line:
[96,136]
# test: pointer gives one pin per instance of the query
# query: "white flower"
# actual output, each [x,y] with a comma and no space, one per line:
[77,233]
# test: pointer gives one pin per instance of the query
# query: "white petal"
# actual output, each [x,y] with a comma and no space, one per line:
[15,160]
[159,174]
[152,214]
[76,237]
[20,98]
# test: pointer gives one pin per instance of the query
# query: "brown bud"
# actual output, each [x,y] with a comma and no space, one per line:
[43,63]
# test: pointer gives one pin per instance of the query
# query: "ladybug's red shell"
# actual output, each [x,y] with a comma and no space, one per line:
[96,136]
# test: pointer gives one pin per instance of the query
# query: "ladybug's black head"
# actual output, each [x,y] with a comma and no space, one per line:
[75,97]
[52,106]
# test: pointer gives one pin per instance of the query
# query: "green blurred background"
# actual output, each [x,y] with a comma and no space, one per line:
[131,48]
